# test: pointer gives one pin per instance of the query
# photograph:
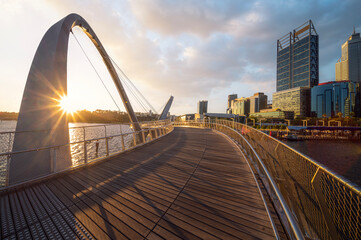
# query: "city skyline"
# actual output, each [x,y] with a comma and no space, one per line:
[190,50]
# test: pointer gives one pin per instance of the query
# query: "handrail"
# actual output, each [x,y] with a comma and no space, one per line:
[153,131]
[323,204]
[291,219]
[323,167]
[294,226]
[70,143]
[86,126]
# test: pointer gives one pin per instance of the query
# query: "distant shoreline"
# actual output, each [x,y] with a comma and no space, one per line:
[85,116]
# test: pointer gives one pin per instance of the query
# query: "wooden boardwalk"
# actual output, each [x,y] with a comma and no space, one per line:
[191,184]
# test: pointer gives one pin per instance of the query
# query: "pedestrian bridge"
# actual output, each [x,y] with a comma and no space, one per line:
[197,180]
[160,180]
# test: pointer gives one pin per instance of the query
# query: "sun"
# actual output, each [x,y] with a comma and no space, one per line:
[67,105]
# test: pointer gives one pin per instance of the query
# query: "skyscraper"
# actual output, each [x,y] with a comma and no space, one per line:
[297,58]
[202,107]
[229,104]
[257,102]
[348,67]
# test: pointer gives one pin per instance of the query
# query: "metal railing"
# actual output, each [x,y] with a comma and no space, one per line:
[312,201]
[87,147]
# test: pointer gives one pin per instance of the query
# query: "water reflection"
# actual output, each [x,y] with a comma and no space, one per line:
[94,146]
[78,133]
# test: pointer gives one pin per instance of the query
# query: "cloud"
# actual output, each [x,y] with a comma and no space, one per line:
[202,49]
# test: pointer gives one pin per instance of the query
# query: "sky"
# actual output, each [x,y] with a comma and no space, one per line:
[193,50]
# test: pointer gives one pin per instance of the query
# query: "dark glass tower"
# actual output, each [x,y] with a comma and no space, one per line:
[297,58]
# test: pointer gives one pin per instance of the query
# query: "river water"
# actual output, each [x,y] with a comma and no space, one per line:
[94,149]
[343,157]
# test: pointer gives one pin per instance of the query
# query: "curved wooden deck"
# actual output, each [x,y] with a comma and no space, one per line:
[191,184]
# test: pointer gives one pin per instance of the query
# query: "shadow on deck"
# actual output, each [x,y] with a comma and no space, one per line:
[191,184]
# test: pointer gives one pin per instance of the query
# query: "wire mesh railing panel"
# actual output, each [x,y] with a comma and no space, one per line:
[324,205]
[77,154]
[86,144]
[3,169]
[115,144]
[96,149]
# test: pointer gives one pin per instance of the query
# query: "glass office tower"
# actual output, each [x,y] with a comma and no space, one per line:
[297,58]
[202,107]
[333,97]
[348,67]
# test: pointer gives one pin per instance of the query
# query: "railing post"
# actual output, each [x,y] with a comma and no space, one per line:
[107,146]
[123,145]
[53,162]
[85,153]
[84,134]
[143,136]
[7,170]
[9,149]
[134,138]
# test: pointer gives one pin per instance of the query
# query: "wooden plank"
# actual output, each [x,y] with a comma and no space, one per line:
[128,220]
[102,217]
[165,234]
[129,206]
[141,194]
[77,211]
[234,218]
[173,228]
[217,220]
[127,197]
[191,184]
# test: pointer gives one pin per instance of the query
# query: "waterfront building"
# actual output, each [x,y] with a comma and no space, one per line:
[333,97]
[257,102]
[202,107]
[187,117]
[231,97]
[240,106]
[273,114]
[297,58]
[348,67]
[297,100]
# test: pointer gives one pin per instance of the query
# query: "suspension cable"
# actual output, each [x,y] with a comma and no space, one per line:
[134,95]
[95,70]
[136,89]
[124,79]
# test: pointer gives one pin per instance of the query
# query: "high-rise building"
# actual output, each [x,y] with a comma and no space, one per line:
[330,98]
[297,58]
[257,102]
[348,67]
[202,107]
[231,97]
[297,100]
[240,106]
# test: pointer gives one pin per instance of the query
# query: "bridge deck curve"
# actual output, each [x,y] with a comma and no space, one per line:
[191,184]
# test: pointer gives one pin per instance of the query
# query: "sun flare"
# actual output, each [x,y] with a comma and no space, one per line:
[67,105]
